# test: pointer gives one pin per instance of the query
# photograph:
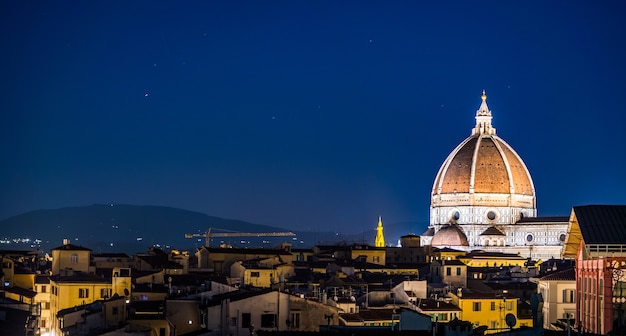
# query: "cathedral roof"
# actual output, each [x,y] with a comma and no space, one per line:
[429,232]
[483,163]
[449,235]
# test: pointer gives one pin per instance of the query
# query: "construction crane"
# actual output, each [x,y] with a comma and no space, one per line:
[227,233]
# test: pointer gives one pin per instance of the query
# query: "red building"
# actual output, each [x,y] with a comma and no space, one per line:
[597,240]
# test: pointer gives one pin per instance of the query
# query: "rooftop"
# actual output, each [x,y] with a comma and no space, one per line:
[602,224]
[567,275]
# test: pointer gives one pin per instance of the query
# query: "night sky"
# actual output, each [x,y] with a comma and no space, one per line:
[308,115]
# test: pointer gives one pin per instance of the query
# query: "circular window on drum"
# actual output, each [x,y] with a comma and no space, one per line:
[530,237]
[454,215]
[562,237]
[491,215]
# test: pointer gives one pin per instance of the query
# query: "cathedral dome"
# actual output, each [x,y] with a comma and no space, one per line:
[483,171]
[449,235]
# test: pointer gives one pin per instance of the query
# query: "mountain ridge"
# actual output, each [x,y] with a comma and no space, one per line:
[135,228]
[99,225]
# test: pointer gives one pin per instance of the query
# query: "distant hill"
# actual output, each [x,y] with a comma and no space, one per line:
[130,228]
[134,228]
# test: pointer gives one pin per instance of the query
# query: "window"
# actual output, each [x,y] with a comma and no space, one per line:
[46,305]
[233,322]
[295,320]
[493,305]
[458,271]
[255,274]
[105,293]
[568,296]
[83,293]
[529,238]
[476,306]
[246,320]
[42,323]
[268,320]
[74,258]
[448,270]
[509,305]
[44,289]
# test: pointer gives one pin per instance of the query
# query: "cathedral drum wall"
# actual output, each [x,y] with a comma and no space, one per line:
[524,201]
[488,215]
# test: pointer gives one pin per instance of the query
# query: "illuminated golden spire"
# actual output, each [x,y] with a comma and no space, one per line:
[380,238]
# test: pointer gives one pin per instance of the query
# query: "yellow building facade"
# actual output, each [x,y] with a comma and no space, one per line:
[489,311]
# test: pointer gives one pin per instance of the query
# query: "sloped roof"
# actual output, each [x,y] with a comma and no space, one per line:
[21,291]
[71,247]
[109,255]
[42,279]
[78,277]
[453,262]
[429,232]
[248,251]
[602,224]
[568,274]
[437,305]
[545,219]
[369,315]
[22,270]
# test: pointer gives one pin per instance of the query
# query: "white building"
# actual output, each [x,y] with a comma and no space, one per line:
[484,198]
[558,291]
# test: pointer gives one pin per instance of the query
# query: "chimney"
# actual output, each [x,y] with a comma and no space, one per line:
[66,241]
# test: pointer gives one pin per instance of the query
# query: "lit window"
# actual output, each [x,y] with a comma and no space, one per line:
[83,293]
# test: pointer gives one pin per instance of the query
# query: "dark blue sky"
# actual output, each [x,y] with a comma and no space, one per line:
[303,114]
